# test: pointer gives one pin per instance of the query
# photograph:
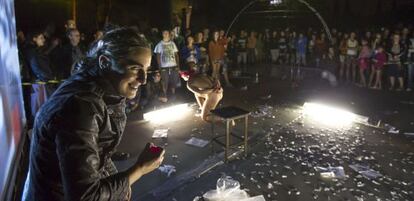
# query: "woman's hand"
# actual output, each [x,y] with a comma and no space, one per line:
[149,160]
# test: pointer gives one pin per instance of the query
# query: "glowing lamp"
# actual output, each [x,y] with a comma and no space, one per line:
[168,114]
[328,115]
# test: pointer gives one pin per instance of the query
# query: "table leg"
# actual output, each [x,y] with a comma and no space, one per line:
[226,152]
[212,134]
[246,123]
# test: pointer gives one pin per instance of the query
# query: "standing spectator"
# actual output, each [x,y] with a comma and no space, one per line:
[168,62]
[321,49]
[206,34]
[301,45]
[242,51]
[274,47]
[260,48]
[190,53]
[395,51]
[283,47]
[375,43]
[410,61]
[154,37]
[351,56]
[222,38]
[216,54]
[21,39]
[251,48]
[39,63]
[267,40]
[203,62]
[378,62]
[97,36]
[386,35]
[177,38]
[70,54]
[368,37]
[232,49]
[311,48]
[292,48]
[363,61]
[70,24]
[335,39]
[405,40]
[343,49]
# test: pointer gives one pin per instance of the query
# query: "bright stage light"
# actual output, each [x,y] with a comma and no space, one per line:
[329,115]
[168,114]
[275,2]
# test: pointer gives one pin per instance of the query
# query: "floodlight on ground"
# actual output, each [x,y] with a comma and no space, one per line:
[168,114]
[328,115]
[275,2]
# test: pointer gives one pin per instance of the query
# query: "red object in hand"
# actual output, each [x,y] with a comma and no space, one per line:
[154,149]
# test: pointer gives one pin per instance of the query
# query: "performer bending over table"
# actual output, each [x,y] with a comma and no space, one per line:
[207,91]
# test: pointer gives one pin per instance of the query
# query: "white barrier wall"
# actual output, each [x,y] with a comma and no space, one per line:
[12,119]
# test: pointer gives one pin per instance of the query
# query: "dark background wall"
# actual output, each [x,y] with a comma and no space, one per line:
[147,13]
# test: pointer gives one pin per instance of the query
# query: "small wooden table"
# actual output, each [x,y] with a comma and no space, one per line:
[229,114]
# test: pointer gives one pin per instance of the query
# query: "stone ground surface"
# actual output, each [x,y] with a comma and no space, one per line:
[285,147]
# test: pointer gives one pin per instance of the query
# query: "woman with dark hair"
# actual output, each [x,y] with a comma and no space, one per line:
[216,54]
[203,62]
[38,62]
[190,53]
[78,129]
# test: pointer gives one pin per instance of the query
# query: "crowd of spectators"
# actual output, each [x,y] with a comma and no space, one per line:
[380,59]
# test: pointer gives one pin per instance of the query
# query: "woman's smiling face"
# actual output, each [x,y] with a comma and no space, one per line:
[135,67]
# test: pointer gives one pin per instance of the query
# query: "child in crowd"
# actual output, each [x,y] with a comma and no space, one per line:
[378,63]
[363,61]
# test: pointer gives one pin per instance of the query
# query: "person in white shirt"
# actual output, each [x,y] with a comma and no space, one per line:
[168,62]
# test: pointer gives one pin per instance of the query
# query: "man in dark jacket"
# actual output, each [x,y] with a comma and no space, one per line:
[69,54]
[79,127]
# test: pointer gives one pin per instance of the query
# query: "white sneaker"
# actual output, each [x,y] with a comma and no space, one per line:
[409,89]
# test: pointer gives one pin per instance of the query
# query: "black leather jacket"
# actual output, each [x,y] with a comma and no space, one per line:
[74,136]
[39,63]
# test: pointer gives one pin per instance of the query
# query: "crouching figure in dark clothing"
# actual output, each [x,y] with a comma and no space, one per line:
[78,129]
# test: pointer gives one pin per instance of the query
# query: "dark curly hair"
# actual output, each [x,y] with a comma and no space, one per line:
[115,43]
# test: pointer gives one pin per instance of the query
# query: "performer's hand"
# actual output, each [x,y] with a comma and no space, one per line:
[219,90]
[163,99]
[217,85]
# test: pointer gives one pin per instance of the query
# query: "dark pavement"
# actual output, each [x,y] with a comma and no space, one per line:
[285,147]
